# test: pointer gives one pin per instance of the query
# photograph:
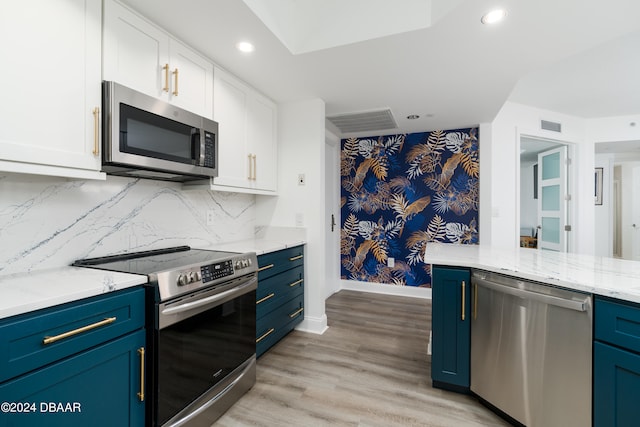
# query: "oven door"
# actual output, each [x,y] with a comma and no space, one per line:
[201,339]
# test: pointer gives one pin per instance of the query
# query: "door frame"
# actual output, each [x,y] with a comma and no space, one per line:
[332,205]
[572,180]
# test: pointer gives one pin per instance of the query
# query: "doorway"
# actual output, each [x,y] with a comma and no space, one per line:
[617,211]
[532,217]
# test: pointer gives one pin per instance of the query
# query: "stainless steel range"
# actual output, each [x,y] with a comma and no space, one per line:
[201,325]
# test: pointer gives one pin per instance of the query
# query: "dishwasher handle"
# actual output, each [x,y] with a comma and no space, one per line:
[546,299]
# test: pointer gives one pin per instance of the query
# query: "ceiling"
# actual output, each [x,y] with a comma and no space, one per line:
[578,57]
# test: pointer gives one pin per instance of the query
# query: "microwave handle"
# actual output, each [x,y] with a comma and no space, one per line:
[197,144]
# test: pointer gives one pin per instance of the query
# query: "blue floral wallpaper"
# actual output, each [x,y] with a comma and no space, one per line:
[400,192]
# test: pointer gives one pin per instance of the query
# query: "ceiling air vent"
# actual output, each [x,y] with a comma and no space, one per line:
[364,121]
[552,126]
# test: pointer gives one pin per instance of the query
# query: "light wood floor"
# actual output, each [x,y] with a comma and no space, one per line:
[370,368]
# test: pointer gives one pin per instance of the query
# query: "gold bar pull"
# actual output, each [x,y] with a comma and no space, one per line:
[265,298]
[49,340]
[175,81]
[295,258]
[96,131]
[255,168]
[165,88]
[475,301]
[463,286]
[270,331]
[295,313]
[297,282]
[250,168]
[266,267]
[141,393]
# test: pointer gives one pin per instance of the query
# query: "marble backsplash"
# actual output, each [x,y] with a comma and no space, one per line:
[49,222]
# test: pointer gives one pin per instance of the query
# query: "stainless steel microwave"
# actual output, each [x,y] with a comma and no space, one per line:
[144,137]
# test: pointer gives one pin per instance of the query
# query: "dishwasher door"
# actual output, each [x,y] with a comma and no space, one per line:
[531,350]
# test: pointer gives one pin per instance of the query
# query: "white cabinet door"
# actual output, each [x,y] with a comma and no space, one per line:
[191,78]
[142,56]
[136,53]
[261,141]
[51,79]
[230,110]
[247,136]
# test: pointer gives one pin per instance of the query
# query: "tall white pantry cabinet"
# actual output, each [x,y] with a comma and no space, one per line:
[51,88]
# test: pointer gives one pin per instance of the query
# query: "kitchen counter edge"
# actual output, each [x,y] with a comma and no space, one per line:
[23,293]
[610,277]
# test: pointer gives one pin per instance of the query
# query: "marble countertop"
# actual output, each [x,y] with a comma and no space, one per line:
[267,239]
[24,292]
[610,277]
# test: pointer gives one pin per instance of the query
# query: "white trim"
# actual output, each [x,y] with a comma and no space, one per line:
[314,325]
[380,288]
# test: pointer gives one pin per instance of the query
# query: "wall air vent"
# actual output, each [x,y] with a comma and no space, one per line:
[364,121]
[552,126]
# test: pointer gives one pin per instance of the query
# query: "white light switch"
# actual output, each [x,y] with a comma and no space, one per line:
[299,219]
[391,262]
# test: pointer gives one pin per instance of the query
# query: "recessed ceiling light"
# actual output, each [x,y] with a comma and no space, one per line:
[413,116]
[245,47]
[493,17]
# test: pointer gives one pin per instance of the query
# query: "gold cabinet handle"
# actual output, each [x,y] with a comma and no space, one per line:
[475,301]
[165,88]
[266,267]
[250,168]
[141,393]
[50,340]
[270,331]
[295,258]
[297,282]
[255,168]
[463,286]
[175,81]
[265,298]
[295,313]
[96,131]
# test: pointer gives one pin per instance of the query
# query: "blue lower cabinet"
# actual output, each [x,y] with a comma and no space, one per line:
[102,386]
[451,328]
[616,386]
[280,296]
[616,363]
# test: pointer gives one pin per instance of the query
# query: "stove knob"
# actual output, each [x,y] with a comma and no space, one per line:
[191,277]
[182,280]
[245,263]
[198,276]
[249,262]
[238,265]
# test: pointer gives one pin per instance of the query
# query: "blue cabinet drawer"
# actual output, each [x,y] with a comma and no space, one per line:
[276,262]
[618,323]
[98,387]
[36,339]
[272,327]
[275,290]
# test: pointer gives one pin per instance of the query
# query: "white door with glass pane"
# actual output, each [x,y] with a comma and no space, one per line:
[552,200]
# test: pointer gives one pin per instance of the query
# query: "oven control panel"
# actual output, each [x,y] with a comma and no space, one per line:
[216,271]
[239,265]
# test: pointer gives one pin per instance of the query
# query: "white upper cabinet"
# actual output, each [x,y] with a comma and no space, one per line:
[51,96]
[139,55]
[247,137]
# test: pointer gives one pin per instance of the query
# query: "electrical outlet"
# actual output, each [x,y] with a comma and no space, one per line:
[301,179]
[299,219]
[210,217]
[391,262]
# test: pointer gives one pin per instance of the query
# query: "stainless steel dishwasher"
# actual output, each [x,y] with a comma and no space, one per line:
[531,350]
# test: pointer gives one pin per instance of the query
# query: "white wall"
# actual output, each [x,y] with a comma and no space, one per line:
[515,120]
[301,147]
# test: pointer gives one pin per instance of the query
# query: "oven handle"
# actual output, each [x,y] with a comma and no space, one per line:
[233,292]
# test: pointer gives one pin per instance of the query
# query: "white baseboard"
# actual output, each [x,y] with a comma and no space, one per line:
[380,288]
[314,325]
